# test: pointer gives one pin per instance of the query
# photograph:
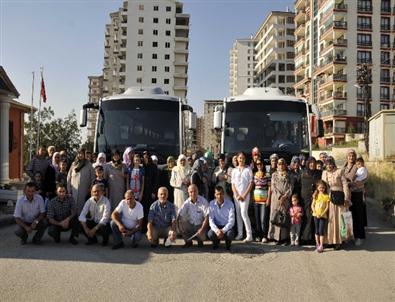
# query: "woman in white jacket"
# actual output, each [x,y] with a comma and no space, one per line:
[179,180]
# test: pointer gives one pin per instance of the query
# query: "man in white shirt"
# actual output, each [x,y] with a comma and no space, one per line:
[127,221]
[30,215]
[95,216]
[193,218]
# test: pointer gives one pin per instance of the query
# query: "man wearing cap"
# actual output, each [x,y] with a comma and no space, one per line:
[30,215]
[193,217]
[127,221]
[161,219]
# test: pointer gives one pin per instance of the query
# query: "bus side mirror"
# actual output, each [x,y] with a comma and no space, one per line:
[217,123]
[83,117]
[192,121]
[320,128]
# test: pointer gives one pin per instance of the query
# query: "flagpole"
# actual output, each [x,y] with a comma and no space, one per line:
[39,112]
[31,122]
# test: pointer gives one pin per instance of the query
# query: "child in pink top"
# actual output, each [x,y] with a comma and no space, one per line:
[296,213]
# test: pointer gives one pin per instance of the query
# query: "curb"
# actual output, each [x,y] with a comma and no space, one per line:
[6,220]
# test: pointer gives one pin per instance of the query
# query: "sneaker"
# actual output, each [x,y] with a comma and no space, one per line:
[358,242]
[168,242]
[292,243]
[264,240]
[320,249]
[297,242]
[239,237]
[248,240]
[117,246]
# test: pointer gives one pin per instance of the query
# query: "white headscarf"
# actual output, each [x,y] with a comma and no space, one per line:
[183,170]
[125,156]
[101,155]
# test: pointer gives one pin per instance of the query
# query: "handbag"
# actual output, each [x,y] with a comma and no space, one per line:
[337,198]
[280,218]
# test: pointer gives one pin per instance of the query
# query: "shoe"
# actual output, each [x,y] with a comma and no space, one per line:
[57,239]
[297,242]
[264,240]
[105,241]
[36,241]
[239,237]
[228,243]
[168,242]
[320,249]
[200,243]
[248,240]
[358,242]
[215,246]
[187,244]
[117,246]
[91,241]
[23,241]
[292,243]
[153,245]
[134,245]
[73,241]
[337,247]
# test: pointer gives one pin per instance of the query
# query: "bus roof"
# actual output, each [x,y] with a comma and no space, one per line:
[264,94]
[155,93]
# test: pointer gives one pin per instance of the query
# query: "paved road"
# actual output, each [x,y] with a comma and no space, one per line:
[255,272]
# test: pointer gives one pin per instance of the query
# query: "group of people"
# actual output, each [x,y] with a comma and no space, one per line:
[299,203]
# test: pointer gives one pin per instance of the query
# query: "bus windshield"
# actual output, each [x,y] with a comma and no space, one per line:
[273,126]
[144,124]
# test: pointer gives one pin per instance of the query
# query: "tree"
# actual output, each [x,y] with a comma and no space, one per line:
[64,133]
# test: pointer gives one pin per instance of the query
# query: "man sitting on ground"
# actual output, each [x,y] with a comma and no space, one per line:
[95,216]
[161,220]
[30,215]
[127,221]
[62,215]
[193,218]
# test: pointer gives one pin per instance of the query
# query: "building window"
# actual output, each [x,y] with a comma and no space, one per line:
[364,23]
[385,24]
[167,57]
[139,56]
[154,44]
[166,81]
[385,41]
[140,31]
[154,56]
[365,5]
[360,109]
[385,58]
[168,8]
[139,80]
[154,68]
[141,19]
[156,20]
[167,69]
[168,21]
[166,92]
[155,32]
[153,80]
[364,57]
[384,93]
[139,43]
[141,7]
[167,44]
[168,32]
[385,75]
[156,8]
[139,68]
[364,39]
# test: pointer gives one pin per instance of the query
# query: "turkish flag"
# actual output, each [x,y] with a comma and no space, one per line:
[42,93]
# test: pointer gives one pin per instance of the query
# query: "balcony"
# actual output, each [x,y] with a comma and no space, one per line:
[340,42]
[364,43]
[340,7]
[385,80]
[364,61]
[339,95]
[385,45]
[384,97]
[334,112]
[365,9]
[340,77]
[385,27]
[364,26]
[340,130]
[340,24]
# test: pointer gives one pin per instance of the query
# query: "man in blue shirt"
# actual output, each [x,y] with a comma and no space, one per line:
[221,219]
[161,220]
[30,215]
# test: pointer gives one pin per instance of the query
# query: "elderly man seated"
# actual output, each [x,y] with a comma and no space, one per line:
[193,218]
[127,220]
[95,216]
[161,220]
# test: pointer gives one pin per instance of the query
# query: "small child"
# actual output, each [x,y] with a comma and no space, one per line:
[296,213]
[61,175]
[136,178]
[320,206]
[99,171]
[361,175]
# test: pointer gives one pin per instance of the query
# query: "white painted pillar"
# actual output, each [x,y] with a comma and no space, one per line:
[4,140]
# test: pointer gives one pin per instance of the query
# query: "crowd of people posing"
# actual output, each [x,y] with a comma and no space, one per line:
[194,197]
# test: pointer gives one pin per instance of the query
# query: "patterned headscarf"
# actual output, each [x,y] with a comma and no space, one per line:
[125,156]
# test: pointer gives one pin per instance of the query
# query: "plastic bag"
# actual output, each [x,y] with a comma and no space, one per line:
[346,229]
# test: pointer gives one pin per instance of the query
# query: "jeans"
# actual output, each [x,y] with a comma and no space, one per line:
[135,237]
[55,230]
[40,230]
[228,236]
[295,231]
[242,216]
[262,215]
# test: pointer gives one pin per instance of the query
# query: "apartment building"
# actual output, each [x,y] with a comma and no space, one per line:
[241,68]
[211,140]
[274,52]
[199,133]
[94,95]
[146,43]
[334,38]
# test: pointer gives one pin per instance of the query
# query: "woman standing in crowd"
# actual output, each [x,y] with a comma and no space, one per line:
[220,176]
[116,174]
[56,161]
[281,190]
[261,197]
[357,208]
[273,163]
[295,175]
[79,179]
[198,178]
[340,197]
[309,178]
[127,158]
[180,179]
[242,183]
[101,160]
[165,176]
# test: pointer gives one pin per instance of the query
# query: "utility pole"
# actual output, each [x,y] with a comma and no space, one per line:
[364,79]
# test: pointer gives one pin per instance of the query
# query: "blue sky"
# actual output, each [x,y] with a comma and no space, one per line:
[66,37]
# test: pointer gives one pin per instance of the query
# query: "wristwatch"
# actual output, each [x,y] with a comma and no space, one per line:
[36,221]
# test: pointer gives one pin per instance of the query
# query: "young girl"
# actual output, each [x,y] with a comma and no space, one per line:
[320,206]
[296,213]
[136,178]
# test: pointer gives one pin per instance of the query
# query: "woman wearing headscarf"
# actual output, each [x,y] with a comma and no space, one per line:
[295,175]
[127,157]
[308,181]
[198,178]
[165,176]
[56,161]
[338,187]
[357,208]
[281,189]
[79,179]
[180,179]
[100,160]
[220,176]
[116,174]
